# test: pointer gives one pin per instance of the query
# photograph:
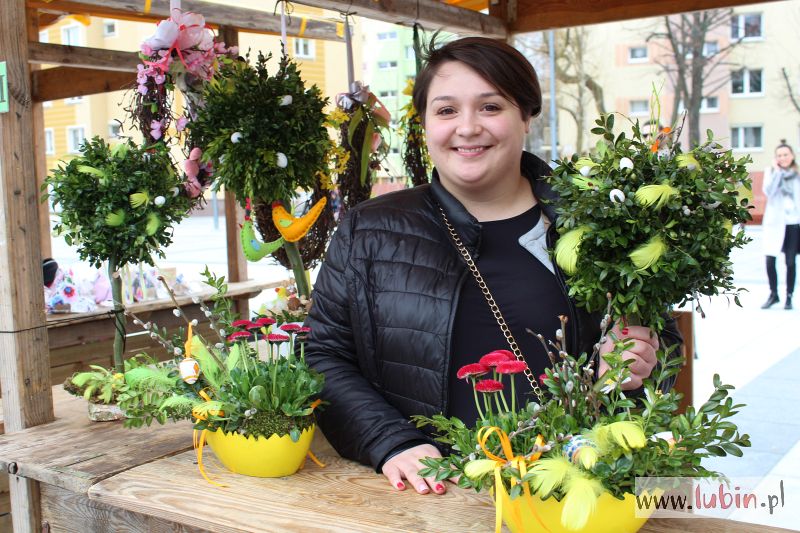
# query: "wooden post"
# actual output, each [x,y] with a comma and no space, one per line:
[237,264]
[39,145]
[24,360]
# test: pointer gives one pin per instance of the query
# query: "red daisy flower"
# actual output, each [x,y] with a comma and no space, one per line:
[265,321]
[253,325]
[505,353]
[474,369]
[277,337]
[239,335]
[493,359]
[489,385]
[511,367]
[304,329]
[290,328]
[240,323]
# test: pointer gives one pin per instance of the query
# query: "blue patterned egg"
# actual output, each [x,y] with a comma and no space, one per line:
[573,447]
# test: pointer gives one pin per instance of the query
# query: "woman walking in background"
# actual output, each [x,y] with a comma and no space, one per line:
[781,220]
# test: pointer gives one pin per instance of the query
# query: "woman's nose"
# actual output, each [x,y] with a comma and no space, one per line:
[469,125]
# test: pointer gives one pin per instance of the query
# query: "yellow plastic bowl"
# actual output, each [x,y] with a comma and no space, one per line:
[260,457]
[610,516]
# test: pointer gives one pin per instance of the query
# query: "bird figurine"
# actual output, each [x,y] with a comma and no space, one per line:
[255,250]
[294,228]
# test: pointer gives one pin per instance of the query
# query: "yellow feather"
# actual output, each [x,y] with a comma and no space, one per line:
[586,184]
[138,199]
[153,224]
[648,253]
[580,500]
[587,456]
[566,253]
[687,161]
[627,434]
[478,468]
[551,473]
[656,195]
[115,218]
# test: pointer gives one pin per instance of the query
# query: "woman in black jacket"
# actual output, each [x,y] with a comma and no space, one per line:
[397,311]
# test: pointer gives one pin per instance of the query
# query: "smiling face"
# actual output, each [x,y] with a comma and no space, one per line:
[784,157]
[474,134]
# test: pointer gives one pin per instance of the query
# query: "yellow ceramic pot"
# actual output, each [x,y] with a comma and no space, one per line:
[260,457]
[610,516]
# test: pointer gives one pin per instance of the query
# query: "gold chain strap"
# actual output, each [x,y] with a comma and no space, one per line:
[512,343]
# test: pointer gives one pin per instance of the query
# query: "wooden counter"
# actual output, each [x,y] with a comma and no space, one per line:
[100,477]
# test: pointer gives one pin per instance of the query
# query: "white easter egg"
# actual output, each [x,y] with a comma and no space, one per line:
[616,196]
[236,137]
[190,370]
[286,99]
[281,161]
[625,162]
[159,201]
[585,171]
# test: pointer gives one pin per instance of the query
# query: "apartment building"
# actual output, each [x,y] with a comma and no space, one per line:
[748,104]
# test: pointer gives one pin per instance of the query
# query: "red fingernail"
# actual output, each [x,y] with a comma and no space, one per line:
[439,487]
[401,485]
[624,331]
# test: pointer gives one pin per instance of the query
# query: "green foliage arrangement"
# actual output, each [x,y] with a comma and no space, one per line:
[118,203]
[649,223]
[265,134]
[101,385]
[581,438]
[237,389]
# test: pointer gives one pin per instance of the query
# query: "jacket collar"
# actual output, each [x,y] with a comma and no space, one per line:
[468,227]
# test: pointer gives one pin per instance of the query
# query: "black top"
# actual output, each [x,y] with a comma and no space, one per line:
[520,285]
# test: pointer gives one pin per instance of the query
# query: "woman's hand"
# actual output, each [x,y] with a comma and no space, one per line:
[643,353]
[406,464]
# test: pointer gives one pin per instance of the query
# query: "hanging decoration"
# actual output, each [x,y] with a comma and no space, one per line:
[416,160]
[362,117]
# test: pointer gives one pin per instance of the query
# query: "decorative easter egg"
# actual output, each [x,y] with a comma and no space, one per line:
[236,137]
[286,100]
[190,370]
[616,196]
[585,171]
[573,448]
[281,160]
[625,162]
[159,201]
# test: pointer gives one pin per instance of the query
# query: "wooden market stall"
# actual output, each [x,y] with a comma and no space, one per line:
[108,474]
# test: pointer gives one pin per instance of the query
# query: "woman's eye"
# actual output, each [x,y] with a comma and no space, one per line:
[491,107]
[445,111]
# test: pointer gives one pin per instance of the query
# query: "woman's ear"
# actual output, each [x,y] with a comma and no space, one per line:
[528,125]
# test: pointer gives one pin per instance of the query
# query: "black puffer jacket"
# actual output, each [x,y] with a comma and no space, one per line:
[384,304]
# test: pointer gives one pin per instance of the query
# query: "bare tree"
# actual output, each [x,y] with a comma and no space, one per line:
[790,90]
[692,63]
[571,51]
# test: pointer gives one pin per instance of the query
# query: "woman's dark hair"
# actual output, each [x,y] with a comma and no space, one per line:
[495,61]
[782,144]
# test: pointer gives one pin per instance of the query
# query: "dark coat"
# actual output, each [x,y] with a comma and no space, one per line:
[384,305]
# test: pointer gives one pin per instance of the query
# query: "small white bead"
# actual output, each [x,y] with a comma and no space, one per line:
[176,312]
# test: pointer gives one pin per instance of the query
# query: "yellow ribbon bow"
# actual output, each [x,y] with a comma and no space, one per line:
[518,461]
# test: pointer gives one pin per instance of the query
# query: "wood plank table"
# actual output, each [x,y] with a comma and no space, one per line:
[100,477]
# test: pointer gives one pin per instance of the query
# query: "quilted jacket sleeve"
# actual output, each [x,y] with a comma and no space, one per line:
[358,422]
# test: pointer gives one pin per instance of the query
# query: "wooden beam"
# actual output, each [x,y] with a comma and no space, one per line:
[82,57]
[39,145]
[24,372]
[549,14]
[239,18]
[69,82]
[237,264]
[431,14]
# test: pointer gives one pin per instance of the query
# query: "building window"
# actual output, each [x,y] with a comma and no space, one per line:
[387,35]
[109,28]
[76,135]
[746,138]
[710,48]
[387,65]
[637,54]
[44,36]
[747,81]
[640,107]
[304,49]
[747,26]
[74,100]
[49,141]
[114,129]
[709,104]
[72,35]
[387,94]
